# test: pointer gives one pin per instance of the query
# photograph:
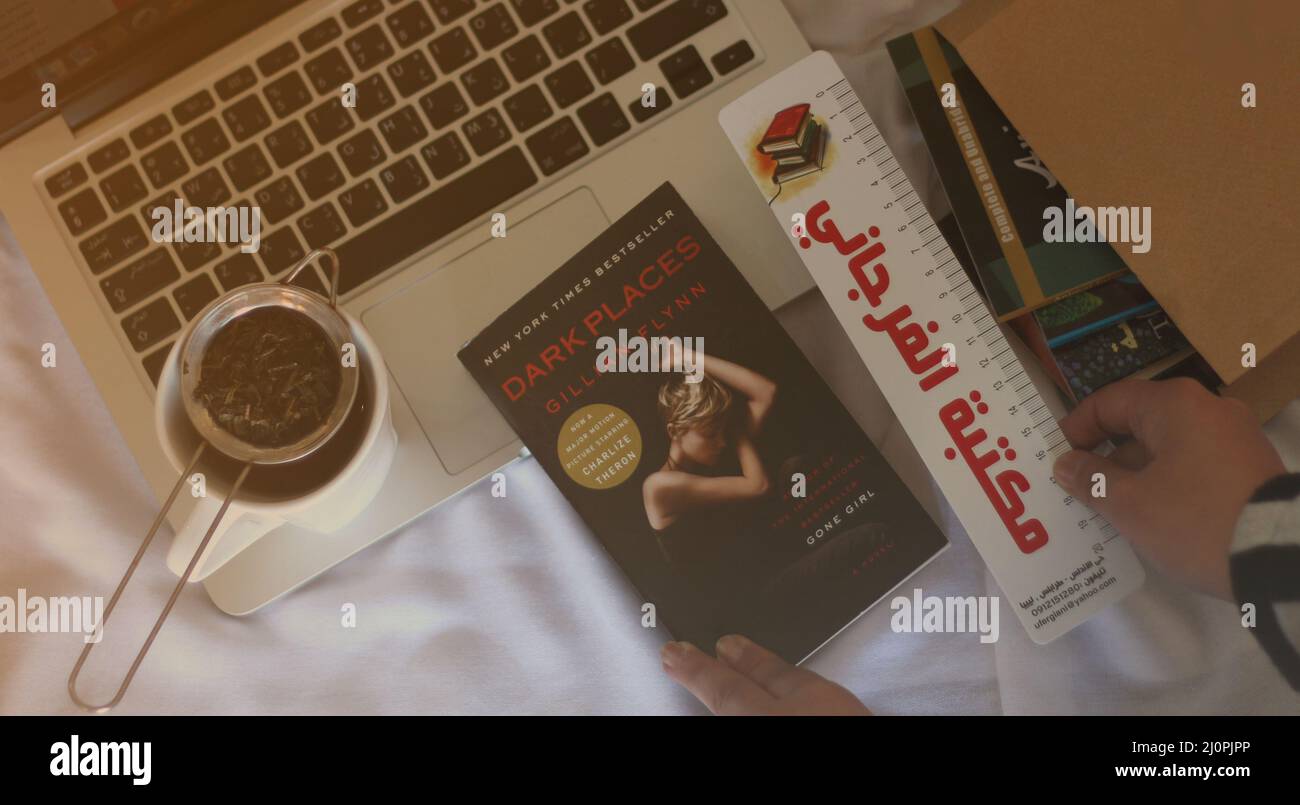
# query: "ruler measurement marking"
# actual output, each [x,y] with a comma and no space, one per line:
[1017,382]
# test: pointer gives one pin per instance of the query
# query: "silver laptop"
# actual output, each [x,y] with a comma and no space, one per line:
[462,110]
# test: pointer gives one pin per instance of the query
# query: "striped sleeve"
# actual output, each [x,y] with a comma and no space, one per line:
[1265,568]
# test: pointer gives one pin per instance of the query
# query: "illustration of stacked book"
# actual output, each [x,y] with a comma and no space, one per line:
[796,141]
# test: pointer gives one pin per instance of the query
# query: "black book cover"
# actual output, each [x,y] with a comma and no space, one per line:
[691,486]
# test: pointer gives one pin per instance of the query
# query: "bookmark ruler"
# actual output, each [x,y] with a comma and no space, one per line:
[925,334]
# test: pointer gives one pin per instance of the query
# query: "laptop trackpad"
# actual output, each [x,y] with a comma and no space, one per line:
[421,328]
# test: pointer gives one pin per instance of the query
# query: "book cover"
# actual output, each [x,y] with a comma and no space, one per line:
[996,184]
[786,129]
[1088,311]
[706,454]
[1140,347]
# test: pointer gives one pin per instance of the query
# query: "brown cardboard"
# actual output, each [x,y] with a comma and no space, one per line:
[1140,104]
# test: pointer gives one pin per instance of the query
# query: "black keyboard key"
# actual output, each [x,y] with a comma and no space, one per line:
[151,323]
[402,129]
[609,60]
[361,152]
[493,26]
[155,361]
[321,227]
[373,97]
[452,50]
[329,120]
[205,141]
[328,71]
[404,179]
[246,167]
[287,94]
[368,48]
[235,83]
[480,190]
[164,165]
[409,24]
[194,295]
[101,159]
[558,145]
[151,131]
[166,201]
[646,5]
[278,200]
[320,175]
[569,84]
[139,280]
[309,279]
[527,108]
[123,188]
[486,131]
[197,254]
[567,34]
[686,71]
[534,11]
[236,270]
[65,180]
[729,58]
[484,81]
[603,119]
[445,155]
[280,250]
[444,105]
[319,35]
[82,211]
[193,107]
[448,10]
[642,111]
[362,202]
[288,144]
[411,73]
[276,59]
[672,25]
[525,58]
[361,11]
[113,244]
[207,189]
[246,117]
[606,15]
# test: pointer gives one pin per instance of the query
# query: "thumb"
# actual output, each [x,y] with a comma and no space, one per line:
[1083,473]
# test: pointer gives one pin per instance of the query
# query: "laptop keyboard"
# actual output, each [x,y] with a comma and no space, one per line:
[461,107]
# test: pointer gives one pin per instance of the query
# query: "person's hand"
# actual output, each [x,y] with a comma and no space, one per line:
[1177,489]
[747,679]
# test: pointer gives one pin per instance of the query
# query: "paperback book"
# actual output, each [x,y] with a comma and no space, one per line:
[706,454]
[996,184]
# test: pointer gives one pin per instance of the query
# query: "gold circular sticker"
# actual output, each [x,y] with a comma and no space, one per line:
[600,446]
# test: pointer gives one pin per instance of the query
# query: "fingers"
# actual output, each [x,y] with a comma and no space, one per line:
[773,674]
[1075,473]
[719,687]
[1130,455]
[1114,410]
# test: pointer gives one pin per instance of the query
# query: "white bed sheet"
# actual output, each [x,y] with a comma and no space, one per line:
[509,606]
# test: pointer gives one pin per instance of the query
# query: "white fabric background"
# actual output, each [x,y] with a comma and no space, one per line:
[510,606]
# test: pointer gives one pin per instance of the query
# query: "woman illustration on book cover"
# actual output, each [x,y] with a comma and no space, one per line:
[710,423]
